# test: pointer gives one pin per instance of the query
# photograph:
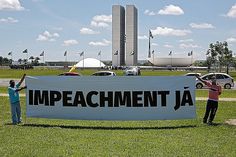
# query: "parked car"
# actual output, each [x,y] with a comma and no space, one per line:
[69,74]
[193,74]
[222,79]
[132,71]
[104,73]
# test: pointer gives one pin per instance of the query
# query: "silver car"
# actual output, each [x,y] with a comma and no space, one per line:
[222,79]
[132,71]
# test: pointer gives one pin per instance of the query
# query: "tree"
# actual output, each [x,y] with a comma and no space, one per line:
[31,58]
[25,61]
[20,61]
[36,61]
[1,60]
[219,52]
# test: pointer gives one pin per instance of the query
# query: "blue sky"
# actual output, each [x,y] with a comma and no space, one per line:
[55,26]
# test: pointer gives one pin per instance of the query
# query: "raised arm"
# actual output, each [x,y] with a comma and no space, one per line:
[22,79]
[19,89]
[200,79]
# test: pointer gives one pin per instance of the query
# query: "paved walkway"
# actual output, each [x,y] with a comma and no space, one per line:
[197,98]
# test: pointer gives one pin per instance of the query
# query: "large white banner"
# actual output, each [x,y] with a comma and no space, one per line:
[111,98]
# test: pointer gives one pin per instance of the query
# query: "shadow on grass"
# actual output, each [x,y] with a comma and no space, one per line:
[107,127]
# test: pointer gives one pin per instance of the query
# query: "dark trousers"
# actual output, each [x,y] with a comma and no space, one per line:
[211,107]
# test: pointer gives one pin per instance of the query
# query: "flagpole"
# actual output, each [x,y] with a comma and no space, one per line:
[153,57]
[192,58]
[27,58]
[83,60]
[117,59]
[149,47]
[11,58]
[100,59]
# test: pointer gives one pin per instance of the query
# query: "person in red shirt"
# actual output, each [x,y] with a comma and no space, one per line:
[213,98]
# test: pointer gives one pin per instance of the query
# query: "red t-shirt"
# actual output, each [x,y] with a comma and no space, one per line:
[214,91]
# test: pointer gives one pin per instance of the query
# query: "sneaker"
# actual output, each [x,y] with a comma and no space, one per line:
[204,121]
[210,123]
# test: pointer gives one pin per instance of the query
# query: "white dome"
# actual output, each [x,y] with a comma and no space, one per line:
[90,63]
[174,61]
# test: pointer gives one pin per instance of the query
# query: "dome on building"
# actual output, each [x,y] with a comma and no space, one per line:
[172,61]
[90,63]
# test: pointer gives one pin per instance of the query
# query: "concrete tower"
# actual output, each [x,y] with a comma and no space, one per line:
[118,35]
[131,35]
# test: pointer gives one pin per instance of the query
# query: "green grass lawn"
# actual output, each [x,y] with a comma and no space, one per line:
[225,93]
[44,137]
[11,73]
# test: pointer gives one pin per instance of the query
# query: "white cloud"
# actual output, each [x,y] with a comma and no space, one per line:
[232,12]
[171,10]
[47,36]
[101,21]
[165,31]
[150,13]
[168,46]
[142,37]
[231,40]
[100,43]
[185,40]
[10,5]
[99,24]
[202,26]
[182,46]
[88,31]
[154,44]
[70,42]
[8,20]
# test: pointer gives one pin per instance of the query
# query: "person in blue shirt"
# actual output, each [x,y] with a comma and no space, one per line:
[13,91]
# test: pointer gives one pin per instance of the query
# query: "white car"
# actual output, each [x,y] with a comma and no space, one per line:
[132,71]
[104,73]
[222,79]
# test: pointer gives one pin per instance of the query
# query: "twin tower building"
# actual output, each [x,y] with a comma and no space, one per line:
[124,35]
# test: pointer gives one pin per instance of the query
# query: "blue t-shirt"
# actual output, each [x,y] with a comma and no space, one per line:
[13,94]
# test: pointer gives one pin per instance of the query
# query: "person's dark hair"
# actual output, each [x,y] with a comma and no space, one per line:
[11,82]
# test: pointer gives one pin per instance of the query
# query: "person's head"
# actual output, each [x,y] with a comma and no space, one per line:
[12,83]
[213,80]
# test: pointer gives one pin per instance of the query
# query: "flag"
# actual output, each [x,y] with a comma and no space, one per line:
[170,53]
[99,53]
[42,54]
[65,54]
[73,68]
[10,53]
[81,54]
[150,34]
[25,51]
[116,53]
[132,53]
